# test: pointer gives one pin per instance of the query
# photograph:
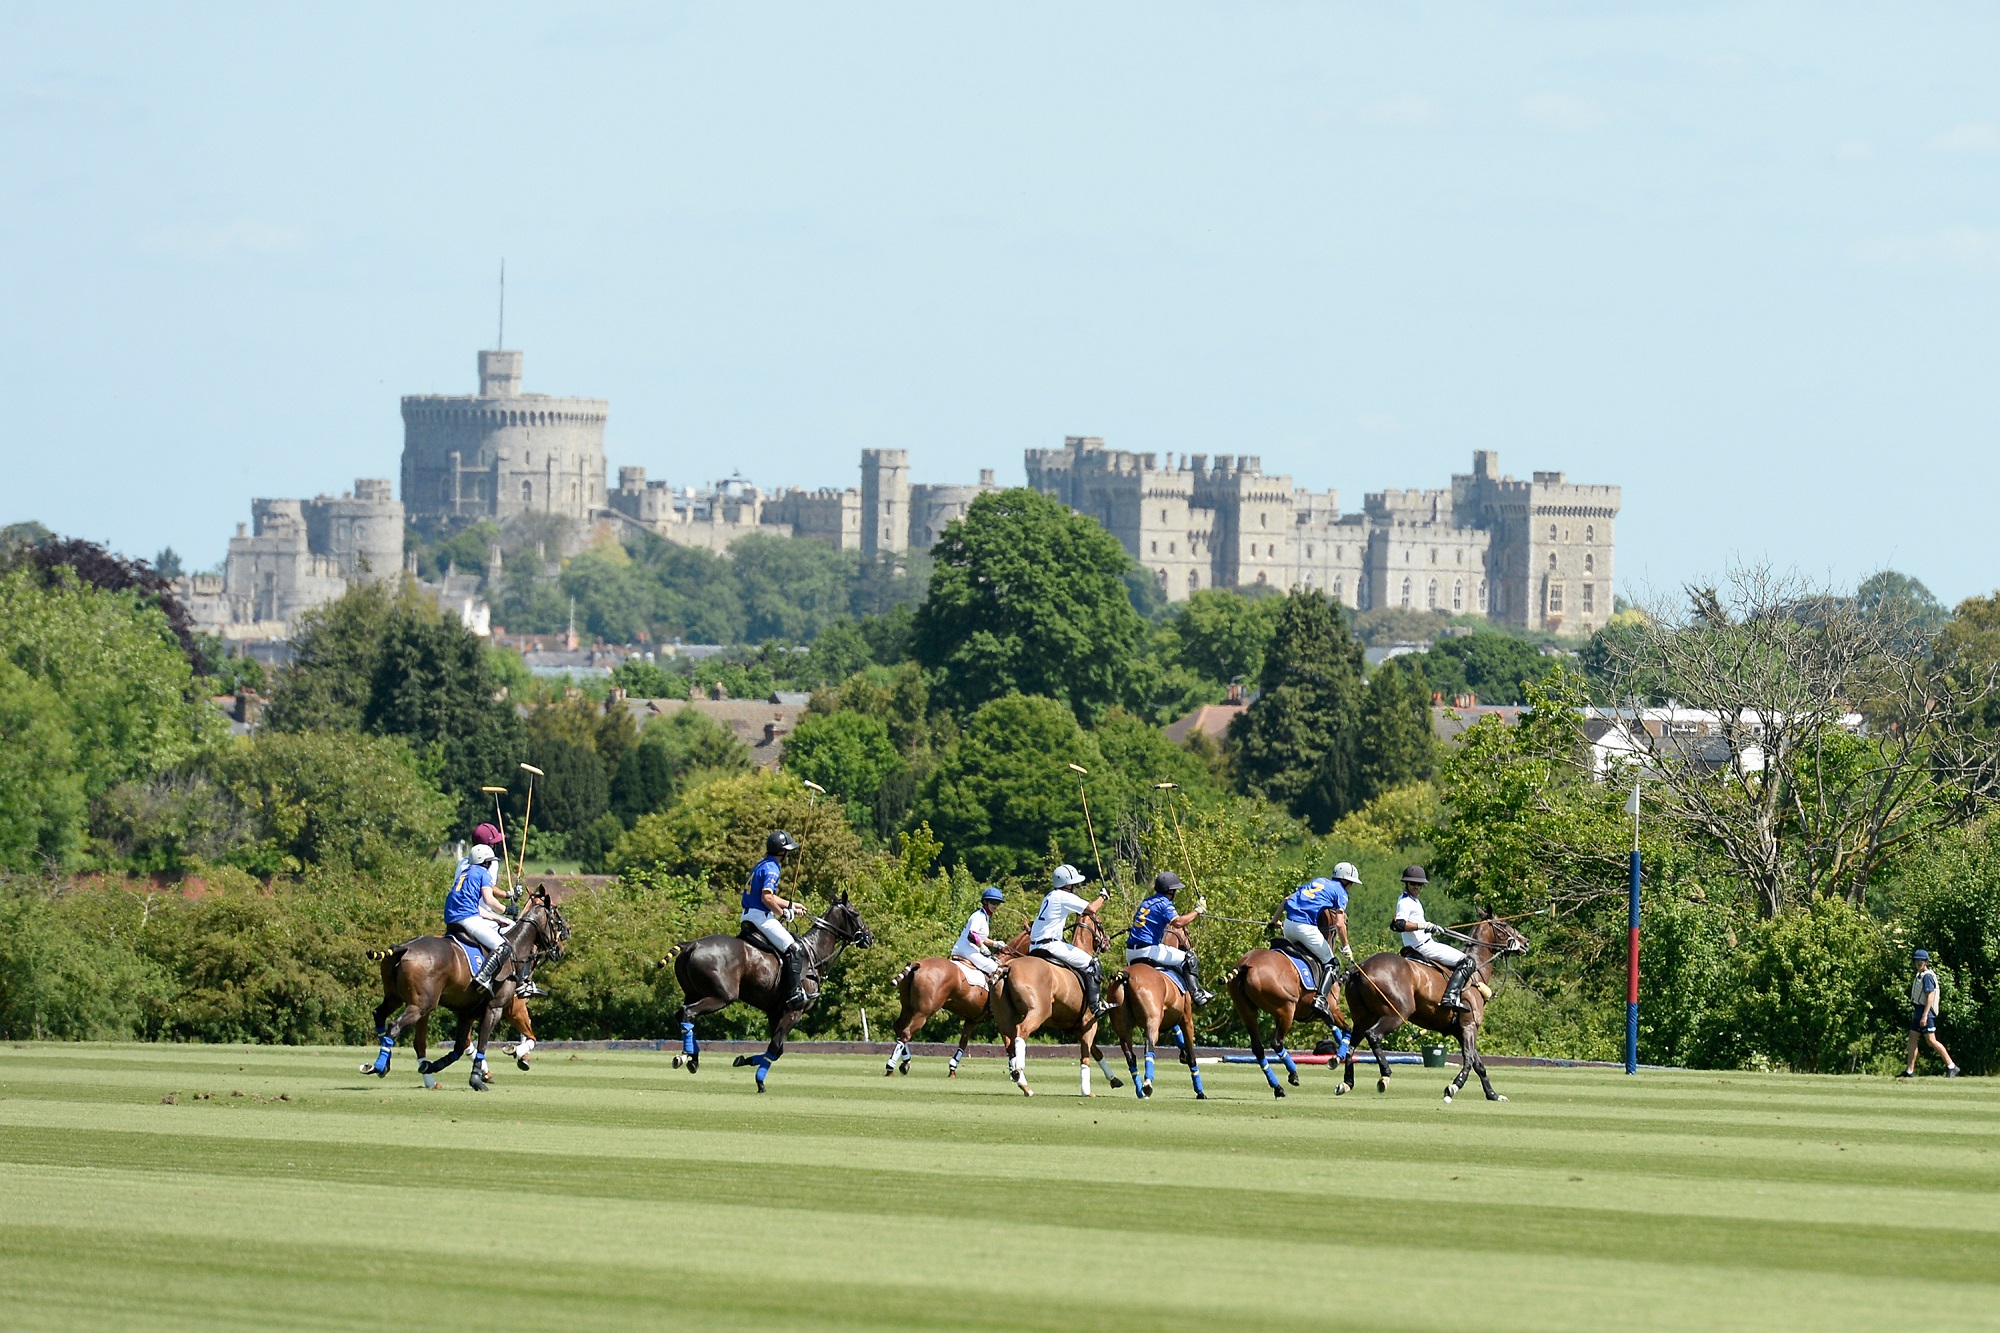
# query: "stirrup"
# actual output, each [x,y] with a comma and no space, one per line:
[528,990]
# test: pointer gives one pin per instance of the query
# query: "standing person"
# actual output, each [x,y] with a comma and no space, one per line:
[1410,923]
[767,910]
[1145,942]
[1924,1016]
[473,911]
[1302,912]
[975,942]
[1045,936]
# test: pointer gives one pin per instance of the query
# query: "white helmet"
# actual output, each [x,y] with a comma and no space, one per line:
[1067,877]
[481,854]
[1346,873]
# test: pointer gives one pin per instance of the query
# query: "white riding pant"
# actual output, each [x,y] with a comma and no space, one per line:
[771,929]
[1065,952]
[482,931]
[1166,955]
[979,960]
[1442,954]
[1310,939]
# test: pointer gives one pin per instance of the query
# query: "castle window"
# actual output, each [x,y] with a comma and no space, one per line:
[1552,559]
[1555,598]
[1194,580]
[1589,562]
[1552,532]
[1339,588]
[527,493]
[444,489]
[1565,534]
[1461,555]
[1309,551]
[1434,555]
[1171,550]
[1163,516]
[1263,520]
[1406,592]
[1482,594]
[1589,598]
[1156,548]
[1336,552]
[1590,532]
[1431,596]
[1458,595]
[1260,576]
[1406,555]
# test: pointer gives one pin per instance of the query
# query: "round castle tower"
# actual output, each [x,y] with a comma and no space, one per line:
[502,453]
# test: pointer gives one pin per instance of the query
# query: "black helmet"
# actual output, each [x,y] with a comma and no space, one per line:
[1167,882]
[779,843]
[1415,875]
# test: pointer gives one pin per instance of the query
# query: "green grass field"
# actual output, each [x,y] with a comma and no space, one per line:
[612,1191]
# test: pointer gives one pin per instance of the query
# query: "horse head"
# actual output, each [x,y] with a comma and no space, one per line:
[554,931]
[1498,935]
[843,920]
[1090,935]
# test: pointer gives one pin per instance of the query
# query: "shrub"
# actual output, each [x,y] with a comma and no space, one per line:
[715,833]
[61,981]
[1814,990]
[335,798]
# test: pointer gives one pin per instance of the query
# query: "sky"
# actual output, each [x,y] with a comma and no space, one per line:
[1741,259]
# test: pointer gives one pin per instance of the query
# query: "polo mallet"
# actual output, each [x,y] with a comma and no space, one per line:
[521,866]
[816,790]
[501,820]
[1082,773]
[1187,862]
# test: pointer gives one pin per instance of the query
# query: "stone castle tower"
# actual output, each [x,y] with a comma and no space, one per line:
[503,452]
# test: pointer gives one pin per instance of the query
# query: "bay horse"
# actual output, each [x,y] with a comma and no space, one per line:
[431,972]
[1148,998]
[1388,990]
[1266,982]
[717,971]
[516,1013]
[932,984]
[1035,993]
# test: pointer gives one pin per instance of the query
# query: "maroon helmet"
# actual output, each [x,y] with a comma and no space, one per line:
[487,834]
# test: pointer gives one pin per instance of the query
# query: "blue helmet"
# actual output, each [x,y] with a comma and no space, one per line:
[992,895]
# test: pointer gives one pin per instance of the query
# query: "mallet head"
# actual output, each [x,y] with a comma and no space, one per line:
[815,786]
[536,771]
[494,791]
[1078,768]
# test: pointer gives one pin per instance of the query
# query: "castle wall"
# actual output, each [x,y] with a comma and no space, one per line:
[885,502]
[503,453]
[932,507]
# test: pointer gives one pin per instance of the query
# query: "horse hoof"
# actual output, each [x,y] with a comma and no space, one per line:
[430,1082]
[888,1071]
[1119,1083]
[951,1073]
[1497,1097]
[477,1083]
[742,1060]
[677,1060]
[521,1065]
[694,1063]
[1292,1079]
[1201,1096]
[1447,1098]
[1381,1085]
[1027,1091]
[760,1089]
[1340,1089]
[1278,1092]
[903,1068]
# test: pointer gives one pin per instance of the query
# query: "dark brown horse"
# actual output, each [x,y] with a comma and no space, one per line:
[1266,982]
[717,971]
[1150,998]
[431,971]
[1389,990]
[932,984]
[516,1014]
[1035,993]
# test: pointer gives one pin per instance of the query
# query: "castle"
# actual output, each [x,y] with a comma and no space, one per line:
[1536,553]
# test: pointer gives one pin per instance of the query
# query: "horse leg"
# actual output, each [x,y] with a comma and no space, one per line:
[690,1052]
[517,1013]
[481,1077]
[1469,1043]
[1381,1060]
[1184,1038]
[1086,1038]
[917,1010]
[780,1025]
[958,1056]
[1281,1027]
[420,1038]
[412,1015]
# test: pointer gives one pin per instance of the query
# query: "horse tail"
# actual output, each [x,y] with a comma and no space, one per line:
[673,953]
[379,955]
[907,973]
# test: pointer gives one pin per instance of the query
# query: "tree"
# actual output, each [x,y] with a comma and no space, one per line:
[1396,744]
[570,793]
[1029,598]
[1496,667]
[716,831]
[673,753]
[614,597]
[849,754]
[1912,614]
[1296,744]
[1003,793]
[41,788]
[791,588]
[1222,634]
[328,798]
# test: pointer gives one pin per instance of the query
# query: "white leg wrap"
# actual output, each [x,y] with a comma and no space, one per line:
[1084,1068]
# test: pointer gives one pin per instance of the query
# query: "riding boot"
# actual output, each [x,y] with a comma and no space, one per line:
[1328,976]
[1454,990]
[1192,971]
[1093,995]
[792,969]
[490,969]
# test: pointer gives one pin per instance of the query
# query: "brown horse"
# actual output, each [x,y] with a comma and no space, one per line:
[1149,998]
[932,984]
[716,971]
[1265,982]
[516,1014]
[1389,990]
[431,971]
[1035,993]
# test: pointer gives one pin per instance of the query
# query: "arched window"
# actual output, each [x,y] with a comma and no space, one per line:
[1431,596]
[1260,576]
[1589,562]
[1482,594]
[1194,580]
[1263,520]
[1156,548]
[1458,595]
[1339,588]
[528,493]
[1552,532]
[1406,592]
[1590,532]
[1552,559]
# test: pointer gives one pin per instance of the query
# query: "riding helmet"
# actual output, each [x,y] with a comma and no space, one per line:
[1167,882]
[480,854]
[1415,875]
[1067,877]
[779,843]
[992,895]
[487,834]
[1347,874]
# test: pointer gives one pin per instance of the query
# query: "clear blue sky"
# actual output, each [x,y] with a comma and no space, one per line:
[1743,259]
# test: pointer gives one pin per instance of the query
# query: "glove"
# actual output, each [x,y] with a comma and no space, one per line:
[1201,904]
[1348,949]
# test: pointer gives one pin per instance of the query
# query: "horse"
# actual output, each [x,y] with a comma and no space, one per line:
[1147,999]
[431,971]
[1265,981]
[516,1014]
[1389,989]
[1035,993]
[932,984]
[717,971]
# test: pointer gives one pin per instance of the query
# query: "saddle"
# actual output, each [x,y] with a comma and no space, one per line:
[1051,958]
[1314,970]
[754,937]
[1407,952]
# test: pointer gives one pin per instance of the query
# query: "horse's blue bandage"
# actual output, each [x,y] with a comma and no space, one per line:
[687,1039]
[1286,1056]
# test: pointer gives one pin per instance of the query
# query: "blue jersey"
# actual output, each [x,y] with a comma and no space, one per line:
[1149,924]
[1314,897]
[763,876]
[467,892]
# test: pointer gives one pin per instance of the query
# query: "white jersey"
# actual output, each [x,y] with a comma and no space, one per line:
[978,927]
[1410,910]
[1056,911]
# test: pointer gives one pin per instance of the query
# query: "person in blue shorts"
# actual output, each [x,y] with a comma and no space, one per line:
[1302,912]
[1146,942]
[1924,1016]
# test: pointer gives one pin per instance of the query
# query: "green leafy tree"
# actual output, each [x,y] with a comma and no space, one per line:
[1397,746]
[1815,991]
[1905,603]
[645,680]
[1494,666]
[1297,744]
[1223,635]
[715,833]
[614,597]
[673,753]
[333,798]
[1029,598]
[1138,756]
[850,754]
[791,589]
[1003,794]
[41,788]
[571,792]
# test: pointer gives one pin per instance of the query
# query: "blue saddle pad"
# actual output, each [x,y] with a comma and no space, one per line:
[1305,971]
[474,955]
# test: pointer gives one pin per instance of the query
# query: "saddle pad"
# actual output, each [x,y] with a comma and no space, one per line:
[972,974]
[474,955]
[1306,967]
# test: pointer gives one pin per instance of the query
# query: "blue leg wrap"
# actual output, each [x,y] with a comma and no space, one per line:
[764,1063]
[1286,1056]
[687,1039]
[1345,1042]
[1197,1079]
[1149,1066]
[1270,1075]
